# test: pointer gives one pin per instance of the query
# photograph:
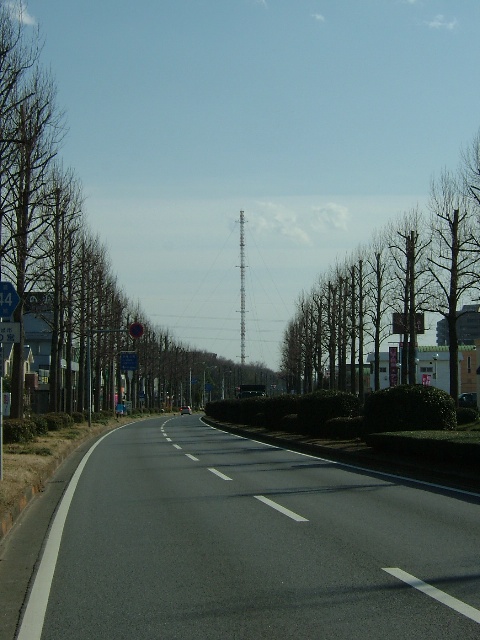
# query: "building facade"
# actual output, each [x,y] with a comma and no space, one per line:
[468,326]
[433,368]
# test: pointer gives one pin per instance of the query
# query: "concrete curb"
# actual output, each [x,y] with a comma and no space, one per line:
[463,479]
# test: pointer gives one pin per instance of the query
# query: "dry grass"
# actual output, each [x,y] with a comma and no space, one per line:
[26,467]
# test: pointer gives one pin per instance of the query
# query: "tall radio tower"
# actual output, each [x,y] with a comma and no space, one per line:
[242,288]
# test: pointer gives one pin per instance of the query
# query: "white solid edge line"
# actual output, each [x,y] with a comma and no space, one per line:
[278,507]
[346,465]
[34,616]
[457,605]
[189,455]
[219,474]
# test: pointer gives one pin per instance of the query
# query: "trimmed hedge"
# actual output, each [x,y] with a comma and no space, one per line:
[409,407]
[236,411]
[18,431]
[311,411]
[57,421]
[289,423]
[441,446]
[344,428]
[41,425]
[465,415]
[317,408]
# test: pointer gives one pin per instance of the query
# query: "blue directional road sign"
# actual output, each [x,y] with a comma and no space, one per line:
[9,299]
[128,361]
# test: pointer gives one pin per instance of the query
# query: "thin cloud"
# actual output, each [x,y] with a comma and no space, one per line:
[330,216]
[301,228]
[318,17]
[280,221]
[440,22]
[19,12]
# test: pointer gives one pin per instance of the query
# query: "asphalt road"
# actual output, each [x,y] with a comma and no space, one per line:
[172,529]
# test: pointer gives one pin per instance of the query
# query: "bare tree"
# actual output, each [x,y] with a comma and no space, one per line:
[62,207]
[408,250]
[17,55]
[378,296]
[453,258]
[39,127]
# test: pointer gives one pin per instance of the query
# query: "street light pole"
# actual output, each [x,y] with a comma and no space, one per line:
[435,358]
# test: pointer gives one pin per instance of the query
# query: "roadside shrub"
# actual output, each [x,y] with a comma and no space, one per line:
[465,415]
[57,421]
[79,416]
[100,417]
[41,425]
[18,431]
[409,407]
[259,419]
[344,428]
[315,409]
[459,447]
[289,423]
[237,411]
[277,407]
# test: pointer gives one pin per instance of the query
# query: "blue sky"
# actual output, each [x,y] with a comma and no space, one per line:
[321,119]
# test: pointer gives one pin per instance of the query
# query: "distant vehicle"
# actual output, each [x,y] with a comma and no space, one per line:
[185,410]
[467,400]
[252,390]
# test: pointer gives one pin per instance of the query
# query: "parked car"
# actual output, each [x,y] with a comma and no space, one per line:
[467,400]
[185,410]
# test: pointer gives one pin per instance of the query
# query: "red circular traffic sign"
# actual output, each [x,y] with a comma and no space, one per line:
[136,330]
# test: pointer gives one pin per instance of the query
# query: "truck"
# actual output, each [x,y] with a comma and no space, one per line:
[251,390]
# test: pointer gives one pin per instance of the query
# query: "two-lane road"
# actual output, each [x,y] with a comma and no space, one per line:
[173,529]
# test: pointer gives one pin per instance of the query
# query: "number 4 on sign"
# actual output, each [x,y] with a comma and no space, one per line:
[9,299]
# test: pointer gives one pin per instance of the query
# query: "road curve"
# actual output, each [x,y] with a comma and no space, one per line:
[173,529]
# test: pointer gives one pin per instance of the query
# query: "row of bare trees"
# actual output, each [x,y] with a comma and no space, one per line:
[420,262]
[47,246]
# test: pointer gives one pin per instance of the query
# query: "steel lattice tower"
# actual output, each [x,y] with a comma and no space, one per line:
[242,287]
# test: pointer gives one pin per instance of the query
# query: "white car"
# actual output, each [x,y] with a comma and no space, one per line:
[185,410]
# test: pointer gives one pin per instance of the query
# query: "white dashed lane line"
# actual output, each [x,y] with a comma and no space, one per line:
[436,594]
[219,474]
[177,446]
[278,507]
[189,455]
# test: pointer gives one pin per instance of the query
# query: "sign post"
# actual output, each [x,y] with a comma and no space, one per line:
[135,330]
